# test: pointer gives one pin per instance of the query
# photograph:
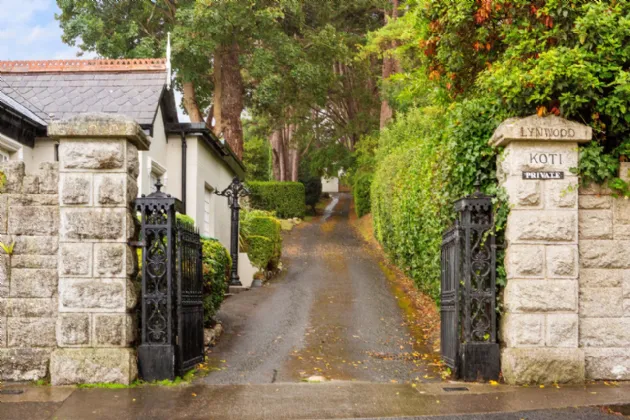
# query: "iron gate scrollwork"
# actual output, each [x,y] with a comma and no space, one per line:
[172,290]
[468,289]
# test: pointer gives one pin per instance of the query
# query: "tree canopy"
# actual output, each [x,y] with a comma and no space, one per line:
[288,62]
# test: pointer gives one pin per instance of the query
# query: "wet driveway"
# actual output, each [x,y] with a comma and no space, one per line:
[332,313]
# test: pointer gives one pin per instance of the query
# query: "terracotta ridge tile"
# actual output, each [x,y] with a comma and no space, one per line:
[78,65]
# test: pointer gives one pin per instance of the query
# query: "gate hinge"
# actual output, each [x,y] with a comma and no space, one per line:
[140,244]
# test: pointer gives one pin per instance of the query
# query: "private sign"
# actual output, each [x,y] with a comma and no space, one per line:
[543,175]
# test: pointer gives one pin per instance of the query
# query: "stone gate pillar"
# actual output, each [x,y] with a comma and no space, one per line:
[539,328]
[98,169]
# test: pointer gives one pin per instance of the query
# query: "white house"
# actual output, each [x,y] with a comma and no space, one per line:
[333,184]
[188,158]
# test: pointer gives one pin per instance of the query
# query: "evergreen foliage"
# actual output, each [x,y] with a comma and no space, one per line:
[286,199]
[427,159]
[257,225]
[257,159]
[312,183]
[361,191]
[216,263]
[269,228]
[468,65]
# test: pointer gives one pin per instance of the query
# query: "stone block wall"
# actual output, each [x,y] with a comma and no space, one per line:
[29,219]
[66,292]
[540,326]
[604,294]
[567,299]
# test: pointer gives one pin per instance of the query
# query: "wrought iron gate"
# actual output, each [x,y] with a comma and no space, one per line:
[469,331]
[189,298]
[451,269]
[172,290]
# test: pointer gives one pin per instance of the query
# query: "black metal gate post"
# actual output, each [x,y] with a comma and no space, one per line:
[156,353]
[233,192]
[172,290]
[469,273]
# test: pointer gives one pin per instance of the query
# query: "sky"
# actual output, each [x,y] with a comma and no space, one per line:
[29,31]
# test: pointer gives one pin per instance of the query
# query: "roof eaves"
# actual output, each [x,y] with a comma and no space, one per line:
[15,107]
[220,147]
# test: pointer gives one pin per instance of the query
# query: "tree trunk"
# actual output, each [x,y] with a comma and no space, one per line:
[217,94]
[277,149]
[293,155]
[285,154]
[190,102]
[390,66]
[232,99]
[295,163]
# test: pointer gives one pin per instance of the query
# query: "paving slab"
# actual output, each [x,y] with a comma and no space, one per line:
[330,400]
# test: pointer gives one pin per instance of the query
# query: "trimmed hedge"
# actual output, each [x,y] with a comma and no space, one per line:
[216,269]
[260,251]
[361,192]
[427,159]
[286,199]
[269,228]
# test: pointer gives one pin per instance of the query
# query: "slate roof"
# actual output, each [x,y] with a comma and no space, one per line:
[64,88]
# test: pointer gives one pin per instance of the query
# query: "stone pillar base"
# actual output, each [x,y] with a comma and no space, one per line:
[91,366]
[542,365]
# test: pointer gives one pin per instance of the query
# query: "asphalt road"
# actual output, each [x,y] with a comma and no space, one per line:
[589,413]
[332,314]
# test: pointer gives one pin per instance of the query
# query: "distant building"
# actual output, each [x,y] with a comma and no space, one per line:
[334,185]
[330,185]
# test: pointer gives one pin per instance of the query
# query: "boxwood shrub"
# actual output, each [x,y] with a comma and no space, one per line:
[216,269]
[270,228]
[286,199]
[260,251]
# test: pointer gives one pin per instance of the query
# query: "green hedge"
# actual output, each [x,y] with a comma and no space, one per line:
[216,269]
[270,228]
[361,191]
[286,199]
[426,160]
[260,251]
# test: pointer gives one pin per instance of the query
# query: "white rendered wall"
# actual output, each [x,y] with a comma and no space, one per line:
[330,185]
[157,153]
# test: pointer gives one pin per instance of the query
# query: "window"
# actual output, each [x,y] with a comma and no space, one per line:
[9,148]
[208,212]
